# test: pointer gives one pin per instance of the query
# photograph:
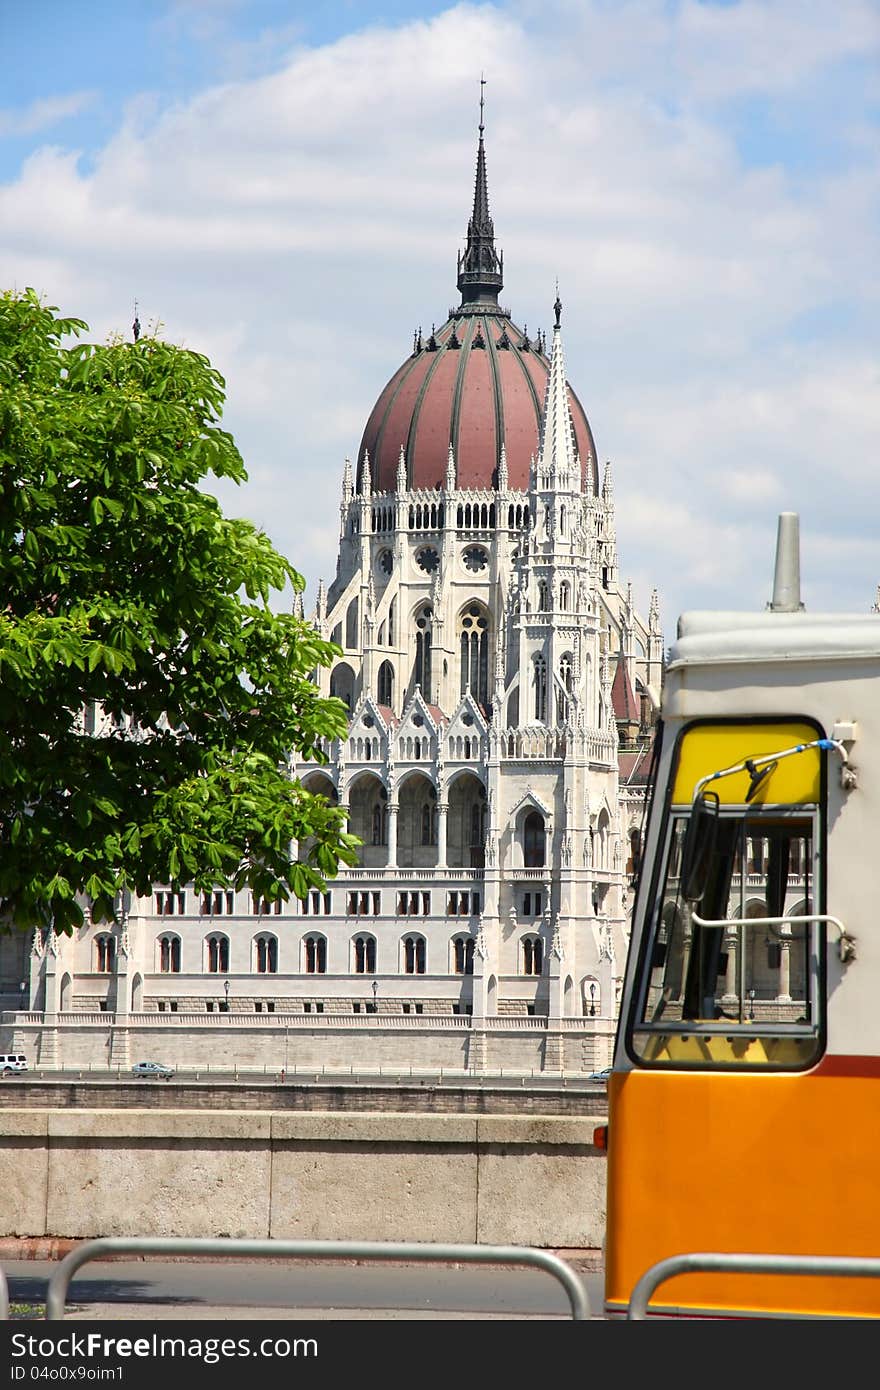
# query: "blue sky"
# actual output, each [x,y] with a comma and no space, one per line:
[285,186]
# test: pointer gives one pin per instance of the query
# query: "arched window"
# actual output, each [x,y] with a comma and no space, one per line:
[562,520]
[267,955]
[532,955]
[169,955]
[543,596]
[566,677]
[385,684]
[391,623]
[365,955]
[429,823]
[539,681]
[218,954]
[414,955]
[351,625]
[105,951]
[564,596]
[316,955]
[380,822]
[342,683]
[534,841]
[474,642]
[463,955]
[478,824]
[422,669]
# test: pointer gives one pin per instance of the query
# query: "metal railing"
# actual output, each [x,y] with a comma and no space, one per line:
[379,1251]
[841,1265]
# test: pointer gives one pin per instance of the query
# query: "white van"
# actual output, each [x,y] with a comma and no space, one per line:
[11,1062]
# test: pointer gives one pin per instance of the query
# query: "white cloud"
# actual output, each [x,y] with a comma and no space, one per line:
[297,226]
[44,113]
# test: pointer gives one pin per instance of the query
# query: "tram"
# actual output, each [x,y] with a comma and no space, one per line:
[744,1102]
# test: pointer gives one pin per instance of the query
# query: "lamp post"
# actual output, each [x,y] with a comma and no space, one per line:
[375,988]
[226,988]
[23,991]
[592,999]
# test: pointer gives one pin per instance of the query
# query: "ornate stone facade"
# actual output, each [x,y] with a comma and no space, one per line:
[500,685]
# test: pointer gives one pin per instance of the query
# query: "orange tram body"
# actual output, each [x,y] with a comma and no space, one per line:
[744,1104]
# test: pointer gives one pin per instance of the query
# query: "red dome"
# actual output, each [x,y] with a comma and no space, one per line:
[477,383]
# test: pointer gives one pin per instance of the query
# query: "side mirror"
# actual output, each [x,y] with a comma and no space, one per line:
[699,843]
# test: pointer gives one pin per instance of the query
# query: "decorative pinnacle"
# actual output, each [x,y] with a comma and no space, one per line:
[557,448]
[347,487]
[607,484]
[366,480]
[557,307]
[502,469]
[450,469]
[401,470]
[654,612]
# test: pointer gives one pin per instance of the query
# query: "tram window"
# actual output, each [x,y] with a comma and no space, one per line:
[736,994]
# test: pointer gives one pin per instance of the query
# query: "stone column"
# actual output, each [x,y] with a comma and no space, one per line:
[784,995]
[393,808]
[731,977]
[442,813]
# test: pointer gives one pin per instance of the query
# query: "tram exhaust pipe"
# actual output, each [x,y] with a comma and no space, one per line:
[787,577]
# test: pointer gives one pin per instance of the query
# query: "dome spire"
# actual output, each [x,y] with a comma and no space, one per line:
[480,269]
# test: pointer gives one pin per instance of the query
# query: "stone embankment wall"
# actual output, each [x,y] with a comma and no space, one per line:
[492,1179]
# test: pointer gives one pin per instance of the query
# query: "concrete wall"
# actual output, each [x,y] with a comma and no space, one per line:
[498,1179]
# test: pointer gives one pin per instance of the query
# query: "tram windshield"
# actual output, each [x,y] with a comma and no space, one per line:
[730,965]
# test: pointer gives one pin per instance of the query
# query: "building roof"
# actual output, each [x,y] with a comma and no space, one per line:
[623,700]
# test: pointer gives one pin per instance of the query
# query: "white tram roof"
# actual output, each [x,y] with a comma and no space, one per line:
[719,638]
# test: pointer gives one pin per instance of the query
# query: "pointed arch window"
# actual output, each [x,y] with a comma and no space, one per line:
[565,596]
[351,624]
[385,684]
[429,823]
[543,596]
[566,679]
[380,823]
[534,841]
[422,668]
[474,645]
[539,680]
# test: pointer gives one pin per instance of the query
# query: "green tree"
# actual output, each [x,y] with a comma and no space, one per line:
[124,591]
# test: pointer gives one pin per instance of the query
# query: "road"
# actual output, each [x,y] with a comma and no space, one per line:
[157,1289]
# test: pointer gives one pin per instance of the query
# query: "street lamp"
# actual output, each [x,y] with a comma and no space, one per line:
[226,988]
[592,999]
[375,988]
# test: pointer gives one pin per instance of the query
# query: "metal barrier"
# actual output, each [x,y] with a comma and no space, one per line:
[56,1293]
[745,1264]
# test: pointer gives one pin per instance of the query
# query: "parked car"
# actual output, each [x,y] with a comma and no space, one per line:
[158,1069]
[12,1062]
[602,1075]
